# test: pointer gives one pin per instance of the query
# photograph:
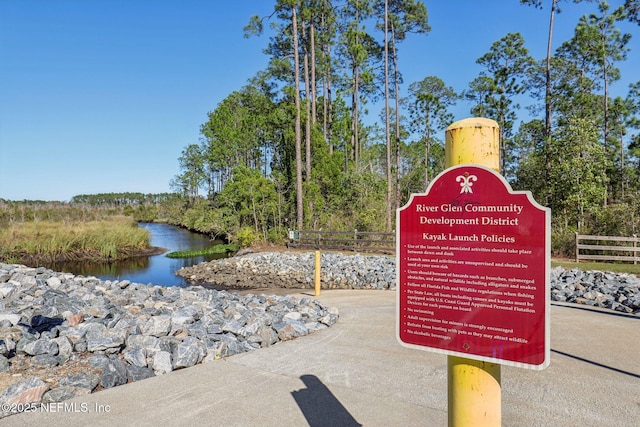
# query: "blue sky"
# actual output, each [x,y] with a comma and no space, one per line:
[102,95]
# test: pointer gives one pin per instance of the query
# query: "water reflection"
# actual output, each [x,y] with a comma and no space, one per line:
[157,269]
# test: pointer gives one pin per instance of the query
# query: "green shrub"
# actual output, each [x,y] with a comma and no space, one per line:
[276,236]
[246,236]
[563,244]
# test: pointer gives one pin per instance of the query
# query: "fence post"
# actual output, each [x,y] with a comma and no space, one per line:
[577,253]
[635,254]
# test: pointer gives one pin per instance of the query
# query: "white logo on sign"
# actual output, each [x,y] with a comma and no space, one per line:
[466,182]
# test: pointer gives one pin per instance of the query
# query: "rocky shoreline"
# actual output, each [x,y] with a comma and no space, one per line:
[63,335]
[618,292]
[294,270]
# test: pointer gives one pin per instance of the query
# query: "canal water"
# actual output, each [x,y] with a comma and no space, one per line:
[157,269]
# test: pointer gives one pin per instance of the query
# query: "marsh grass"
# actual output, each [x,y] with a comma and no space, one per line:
[113,238]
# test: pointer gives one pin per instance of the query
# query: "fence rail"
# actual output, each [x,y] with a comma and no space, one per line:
[607,248]
[363,241]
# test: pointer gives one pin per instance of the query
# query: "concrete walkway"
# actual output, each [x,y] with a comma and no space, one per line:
[356,373]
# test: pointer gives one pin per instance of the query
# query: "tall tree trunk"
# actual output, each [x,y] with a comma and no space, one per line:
[313,87]
[503,162]
[547,108]
[605,129]
[298,132]
[355,101]
[325,121]
[386,102]
[396,79]
[427,148]
[307,105]
[622,158]
[329,101]
[355,117]
[326,86]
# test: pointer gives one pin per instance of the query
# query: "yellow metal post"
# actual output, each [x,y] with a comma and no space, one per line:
[474,140]
[474,392]
[317,274]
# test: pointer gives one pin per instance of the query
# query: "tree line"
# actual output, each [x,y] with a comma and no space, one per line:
[93,207]
[292,148]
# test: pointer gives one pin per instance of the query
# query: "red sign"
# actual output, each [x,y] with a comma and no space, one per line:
[473,270]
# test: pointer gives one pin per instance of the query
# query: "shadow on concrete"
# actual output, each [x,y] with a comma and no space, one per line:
[581,359]
[309,294]
[594,309]
[320,407]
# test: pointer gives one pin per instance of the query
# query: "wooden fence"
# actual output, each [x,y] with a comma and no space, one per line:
[362,241]
[607,248]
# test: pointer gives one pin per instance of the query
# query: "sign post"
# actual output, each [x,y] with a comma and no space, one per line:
[473,274]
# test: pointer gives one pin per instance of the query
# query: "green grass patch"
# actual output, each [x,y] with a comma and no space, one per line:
[599,266]
[217,249]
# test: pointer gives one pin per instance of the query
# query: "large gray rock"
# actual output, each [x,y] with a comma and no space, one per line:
[13,319]
[114,373]
[6,345]
[4,364]
[184,315]
[63,393]
[188,353]
[110,342]
[65,346]
[136,357]
[266,336]
[161,363]
[138,373]
[26,391]
[158,326]
[86,381]
[46,360]
[7,289]
[146,342]
[290,330]
[40,346]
